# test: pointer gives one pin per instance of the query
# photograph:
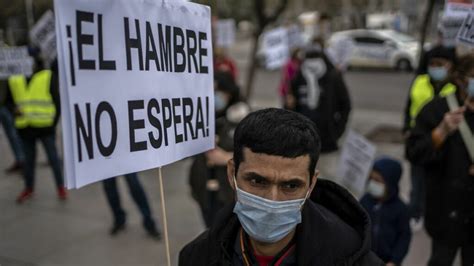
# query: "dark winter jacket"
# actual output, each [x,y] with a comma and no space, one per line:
[449,216]
[391,233]
[334,106]
[335,230]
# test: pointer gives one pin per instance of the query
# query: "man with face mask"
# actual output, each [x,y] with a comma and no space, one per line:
[279,217]
[425,87]
[321,94]
[442,142]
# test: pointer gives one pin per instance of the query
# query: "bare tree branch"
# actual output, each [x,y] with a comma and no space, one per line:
[262,21]
[280,8]
[424,27]
[260,6]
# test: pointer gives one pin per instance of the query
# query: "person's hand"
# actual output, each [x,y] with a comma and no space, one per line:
[290,101]
[17,112]
[218,157]
[451,122]
[390,264]
[406,134]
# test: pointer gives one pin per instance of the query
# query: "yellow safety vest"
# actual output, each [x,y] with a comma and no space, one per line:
[34,100]
[422,92]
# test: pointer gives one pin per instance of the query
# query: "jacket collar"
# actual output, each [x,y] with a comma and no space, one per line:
[312,234]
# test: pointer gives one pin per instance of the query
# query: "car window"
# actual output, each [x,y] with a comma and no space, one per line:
[397,36]
[368,40]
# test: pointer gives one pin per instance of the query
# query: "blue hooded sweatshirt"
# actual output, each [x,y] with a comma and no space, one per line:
[391,234]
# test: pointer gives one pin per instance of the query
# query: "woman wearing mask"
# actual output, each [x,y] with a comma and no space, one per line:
[424,88]
[320,93]
[442,143]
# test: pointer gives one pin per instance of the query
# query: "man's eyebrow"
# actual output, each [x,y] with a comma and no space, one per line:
[293,181]
[252,175]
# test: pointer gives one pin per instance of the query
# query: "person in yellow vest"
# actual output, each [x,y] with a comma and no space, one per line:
[34,102]
[426,87]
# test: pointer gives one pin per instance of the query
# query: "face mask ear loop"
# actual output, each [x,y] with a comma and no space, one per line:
[236,188]
[305,198]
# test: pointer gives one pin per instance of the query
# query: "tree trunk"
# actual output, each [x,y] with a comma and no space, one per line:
[252,67]
[424,26]
[263,19]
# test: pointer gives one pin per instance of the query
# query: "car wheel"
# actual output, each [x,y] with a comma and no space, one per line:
[404,65]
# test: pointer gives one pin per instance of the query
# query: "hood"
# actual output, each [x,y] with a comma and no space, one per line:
[391,171]
[341,203]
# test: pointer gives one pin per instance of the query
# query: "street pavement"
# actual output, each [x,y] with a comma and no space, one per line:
[45,231]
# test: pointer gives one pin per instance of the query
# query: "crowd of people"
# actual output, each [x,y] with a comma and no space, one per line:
[258,190]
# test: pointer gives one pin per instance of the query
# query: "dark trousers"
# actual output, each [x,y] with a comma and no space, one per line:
[417,193]
[138,195]
[443,255]
[29,148]
[6,120]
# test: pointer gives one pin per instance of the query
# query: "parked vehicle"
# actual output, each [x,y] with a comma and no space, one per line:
[380,48]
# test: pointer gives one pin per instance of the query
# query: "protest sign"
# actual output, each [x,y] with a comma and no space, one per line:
[340,50]
[43,35]
[225,32]
[355,163]
[455,11]
[466,30]
[450,28]
[457,8]
[14,61]
[275,45]
[136,85]
[295,37]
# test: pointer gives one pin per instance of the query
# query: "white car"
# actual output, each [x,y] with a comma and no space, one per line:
[379,48]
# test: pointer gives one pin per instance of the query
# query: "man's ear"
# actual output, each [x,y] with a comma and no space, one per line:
[231,173]
[314,179]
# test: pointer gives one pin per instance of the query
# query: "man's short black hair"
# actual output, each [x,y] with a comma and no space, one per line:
[277,132]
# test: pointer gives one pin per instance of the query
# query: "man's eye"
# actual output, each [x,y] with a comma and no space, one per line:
[291,186]
[257,181]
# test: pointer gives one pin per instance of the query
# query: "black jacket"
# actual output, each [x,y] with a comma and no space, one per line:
[335,230]
[391,234]
[449,216]
[334,107]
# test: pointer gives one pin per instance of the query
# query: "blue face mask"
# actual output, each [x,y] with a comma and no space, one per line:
[266,220]
[438,73]
[219,101]
[470,88]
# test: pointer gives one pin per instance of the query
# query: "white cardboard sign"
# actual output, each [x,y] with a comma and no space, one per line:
[136,85]
[225,32]
[356,161]
[466,31]
[44,36]
[14,61]
[275,43]
[457,8]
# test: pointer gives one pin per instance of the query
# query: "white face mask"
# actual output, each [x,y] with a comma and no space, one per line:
[376,189]
[266,220]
